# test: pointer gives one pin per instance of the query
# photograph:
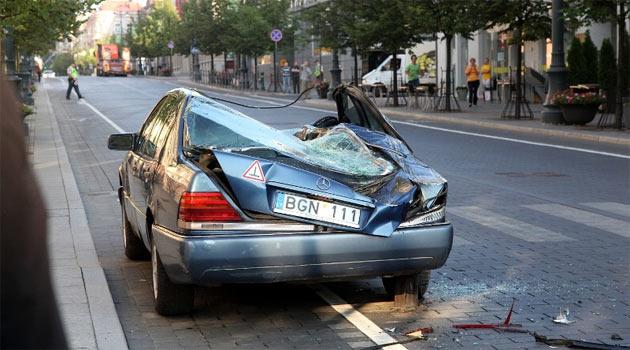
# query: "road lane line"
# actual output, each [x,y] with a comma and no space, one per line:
[509,226]
[611,207]
[362,323]
[103,116]
[501,138]
[600,222]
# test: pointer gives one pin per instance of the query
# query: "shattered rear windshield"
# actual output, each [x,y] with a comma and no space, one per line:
[214,126]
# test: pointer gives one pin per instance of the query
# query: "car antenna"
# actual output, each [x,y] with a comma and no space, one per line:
[255,107]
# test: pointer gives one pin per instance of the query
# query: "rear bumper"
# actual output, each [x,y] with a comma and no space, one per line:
[218,259]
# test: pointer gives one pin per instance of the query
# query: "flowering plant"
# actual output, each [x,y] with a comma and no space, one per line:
[568,97]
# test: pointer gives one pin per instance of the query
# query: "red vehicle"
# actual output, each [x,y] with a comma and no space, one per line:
[112,61]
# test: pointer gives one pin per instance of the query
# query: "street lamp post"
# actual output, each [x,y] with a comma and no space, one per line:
[557,71]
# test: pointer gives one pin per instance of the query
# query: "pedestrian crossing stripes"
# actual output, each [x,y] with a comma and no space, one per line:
[611,207]
[507,225]
[584,217]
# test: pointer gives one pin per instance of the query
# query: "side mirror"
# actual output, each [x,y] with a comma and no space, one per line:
[121,142]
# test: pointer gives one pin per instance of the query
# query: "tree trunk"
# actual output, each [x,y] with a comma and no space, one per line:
[519,59]
[212,79]
[394,67]
[620,65]
[449,58]
[356,66]
[255,73]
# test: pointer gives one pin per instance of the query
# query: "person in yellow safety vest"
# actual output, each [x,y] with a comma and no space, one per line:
[73,81]
[486,79]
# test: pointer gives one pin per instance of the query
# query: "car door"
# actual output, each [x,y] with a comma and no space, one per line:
[141,163]
[159,194]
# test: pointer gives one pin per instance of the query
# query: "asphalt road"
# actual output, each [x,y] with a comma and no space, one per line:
[547,227]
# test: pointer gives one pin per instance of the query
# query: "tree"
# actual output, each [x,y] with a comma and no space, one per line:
[528,20]
[153,31]
[450,18]
[576,63]
[249,33]
[589,50]
[387,24]
[585,12]
[324,23]
[38,25]
[607,73]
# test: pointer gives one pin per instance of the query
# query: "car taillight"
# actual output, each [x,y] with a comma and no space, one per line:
[206,206]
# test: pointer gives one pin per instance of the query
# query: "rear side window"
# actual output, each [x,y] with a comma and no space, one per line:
[158,126]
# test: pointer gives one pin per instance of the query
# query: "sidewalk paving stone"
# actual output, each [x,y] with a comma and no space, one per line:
[87,310]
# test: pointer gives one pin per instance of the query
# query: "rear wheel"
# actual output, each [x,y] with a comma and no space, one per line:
[169,298]
[389,283]
[134,247]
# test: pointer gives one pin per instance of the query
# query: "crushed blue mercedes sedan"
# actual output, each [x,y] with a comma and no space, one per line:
[213,196]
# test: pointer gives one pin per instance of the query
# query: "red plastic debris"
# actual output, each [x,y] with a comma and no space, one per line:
[505,326]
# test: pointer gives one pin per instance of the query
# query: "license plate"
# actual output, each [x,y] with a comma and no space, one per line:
[314,209]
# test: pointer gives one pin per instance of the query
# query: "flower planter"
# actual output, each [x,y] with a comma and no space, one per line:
[578,114]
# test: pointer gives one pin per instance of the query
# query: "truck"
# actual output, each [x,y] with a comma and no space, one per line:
[112,61]
[382,74]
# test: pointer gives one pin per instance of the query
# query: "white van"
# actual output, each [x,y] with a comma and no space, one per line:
[383,73]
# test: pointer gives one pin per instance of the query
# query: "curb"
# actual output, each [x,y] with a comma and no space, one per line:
[105,322]
[434,118]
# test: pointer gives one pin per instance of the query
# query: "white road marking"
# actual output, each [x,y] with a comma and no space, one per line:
[601,222]
[508,225]
[362,323]
[611,207]
[542,144]
[104,117]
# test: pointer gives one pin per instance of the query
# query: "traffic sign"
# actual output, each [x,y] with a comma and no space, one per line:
[170,44]
[276,35]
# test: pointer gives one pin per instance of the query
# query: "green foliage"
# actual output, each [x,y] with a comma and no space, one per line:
[607,72]
[84,58]
[153,31]
[576,62]
[61,62]
[204,22]
[579,13]
[323,22]
[589,50]
[249,30]
[38,25]
[386,24]
[530,17]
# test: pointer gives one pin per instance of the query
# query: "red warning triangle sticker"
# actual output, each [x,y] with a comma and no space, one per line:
[255,172]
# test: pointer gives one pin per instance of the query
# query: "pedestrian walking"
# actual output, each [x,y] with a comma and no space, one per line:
[305,77]
[38,71]
[413,74]
[472,75]
[286,78]
[318,73]
[73,81]
[295,78]
[486,79]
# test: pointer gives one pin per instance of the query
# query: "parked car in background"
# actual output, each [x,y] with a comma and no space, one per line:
[47,73]
[213,196]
